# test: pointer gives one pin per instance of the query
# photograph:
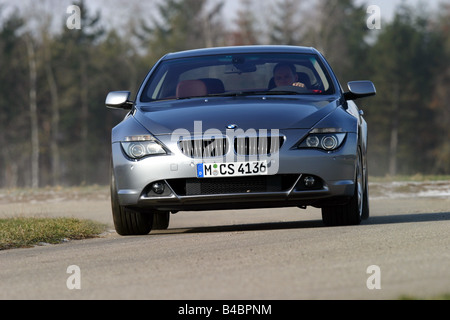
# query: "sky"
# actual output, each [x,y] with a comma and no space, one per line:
[387,6]
[112,10]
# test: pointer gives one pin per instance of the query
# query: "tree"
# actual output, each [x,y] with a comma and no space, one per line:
[14,128]
[403,59]
[337,28]
[74,50]
[246,23]
[441,95]
[33,110]
[182,25]
[287,25]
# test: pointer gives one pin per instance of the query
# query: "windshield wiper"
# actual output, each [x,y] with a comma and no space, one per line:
[251,93]
[243,94]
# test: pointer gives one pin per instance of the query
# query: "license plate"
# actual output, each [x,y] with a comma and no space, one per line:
[232,169]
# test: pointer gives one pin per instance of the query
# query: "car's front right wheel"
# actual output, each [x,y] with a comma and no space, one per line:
[128,221]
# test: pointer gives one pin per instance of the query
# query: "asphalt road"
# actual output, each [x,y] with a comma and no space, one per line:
[249,254]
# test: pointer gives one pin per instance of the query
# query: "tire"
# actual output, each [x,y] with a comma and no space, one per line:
[353,212]
[366,211]
[127,221]
[161,220]
[366,208]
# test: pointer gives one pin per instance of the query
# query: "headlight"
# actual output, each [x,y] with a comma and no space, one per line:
[138,147]
[327,139]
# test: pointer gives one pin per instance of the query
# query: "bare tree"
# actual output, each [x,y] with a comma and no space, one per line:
[246,22]
[55,117]
[45,34]
[34,128]
[211,27]
[287,22]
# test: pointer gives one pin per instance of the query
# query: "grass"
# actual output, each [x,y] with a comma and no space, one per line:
[28,232]
[412,178]
[445,296]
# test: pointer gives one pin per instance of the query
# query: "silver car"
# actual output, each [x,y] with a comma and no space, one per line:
[236,128]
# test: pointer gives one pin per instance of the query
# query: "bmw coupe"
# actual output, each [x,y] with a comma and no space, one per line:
[238,128]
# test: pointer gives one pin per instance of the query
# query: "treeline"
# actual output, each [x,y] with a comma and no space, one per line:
[55,129]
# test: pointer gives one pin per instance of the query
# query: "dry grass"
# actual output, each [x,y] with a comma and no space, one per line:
[28,232]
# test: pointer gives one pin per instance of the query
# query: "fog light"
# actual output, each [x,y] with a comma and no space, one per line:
[309,181]
[158,187]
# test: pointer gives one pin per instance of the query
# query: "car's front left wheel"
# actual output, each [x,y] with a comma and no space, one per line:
[161,220]
[356,209]
[128,221]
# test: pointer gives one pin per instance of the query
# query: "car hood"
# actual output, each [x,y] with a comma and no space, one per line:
[244,112]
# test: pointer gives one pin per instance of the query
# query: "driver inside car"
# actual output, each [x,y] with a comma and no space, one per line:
[284,74]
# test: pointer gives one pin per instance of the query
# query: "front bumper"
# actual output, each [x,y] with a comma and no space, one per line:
[333,172]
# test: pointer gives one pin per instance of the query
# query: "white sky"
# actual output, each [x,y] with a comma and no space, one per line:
[117,10]
[387,6]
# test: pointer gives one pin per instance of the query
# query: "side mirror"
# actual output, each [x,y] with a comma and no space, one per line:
[360,89]
[119,100]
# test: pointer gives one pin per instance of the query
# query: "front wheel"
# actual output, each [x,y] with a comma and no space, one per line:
[356,209]
[161,220]
[128,221]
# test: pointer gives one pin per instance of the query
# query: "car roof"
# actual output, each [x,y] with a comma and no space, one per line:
[239,49]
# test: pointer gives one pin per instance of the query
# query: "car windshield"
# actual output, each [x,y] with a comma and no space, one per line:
[236,75]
